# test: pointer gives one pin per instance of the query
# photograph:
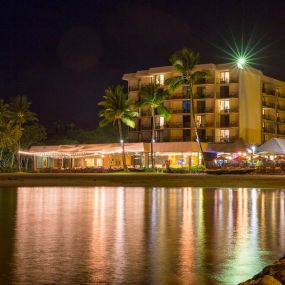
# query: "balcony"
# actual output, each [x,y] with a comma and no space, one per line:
[203,96]
[268,105]
[280,107]
[205,110]
[227,125]
[268,92]
[204,125]
[226,139]
[268,117]
[146,127]
[228,96]
[280,120]
[268,130]
[229,110]
[174,125]
[178,96]
[206,138]
[232,80]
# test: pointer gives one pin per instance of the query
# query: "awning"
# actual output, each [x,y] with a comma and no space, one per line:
[273,146]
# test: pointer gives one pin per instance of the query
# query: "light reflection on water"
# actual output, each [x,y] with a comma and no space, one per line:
[117,235]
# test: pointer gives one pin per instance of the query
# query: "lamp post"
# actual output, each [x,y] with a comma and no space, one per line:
[253,149]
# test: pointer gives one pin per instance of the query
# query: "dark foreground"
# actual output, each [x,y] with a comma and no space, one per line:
[145,179]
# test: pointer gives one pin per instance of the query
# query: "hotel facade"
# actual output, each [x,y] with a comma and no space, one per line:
[230,105]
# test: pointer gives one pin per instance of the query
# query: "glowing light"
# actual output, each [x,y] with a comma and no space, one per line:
[241,62]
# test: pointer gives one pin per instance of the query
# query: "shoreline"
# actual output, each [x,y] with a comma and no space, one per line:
[142,180]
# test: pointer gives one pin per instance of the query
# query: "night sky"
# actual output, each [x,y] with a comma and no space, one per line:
[63,54]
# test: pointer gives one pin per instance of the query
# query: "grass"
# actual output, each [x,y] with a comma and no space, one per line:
[142,180]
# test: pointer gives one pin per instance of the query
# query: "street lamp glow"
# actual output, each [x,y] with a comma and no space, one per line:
[241,62]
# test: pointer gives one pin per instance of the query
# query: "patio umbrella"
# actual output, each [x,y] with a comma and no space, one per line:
[240,158]
[258,158]
[221,158]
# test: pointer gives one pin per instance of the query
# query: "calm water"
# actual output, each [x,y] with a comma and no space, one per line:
[63,235]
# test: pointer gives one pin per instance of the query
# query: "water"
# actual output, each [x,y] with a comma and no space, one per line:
[108,235]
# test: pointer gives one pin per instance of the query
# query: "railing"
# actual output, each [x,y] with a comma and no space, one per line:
[232,80]
[228,95]
[178,96]
[226,139]
[281,132]
[204,125]
[280,120]
[229,110]
[268,130]
[229,125]
[204,81]
[268,91]
[268,104]
[203,96]
[174,125]
[268,117]
[280,107]
[146,127]
[205,110]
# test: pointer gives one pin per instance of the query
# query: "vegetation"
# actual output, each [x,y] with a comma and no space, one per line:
[184,62]
[153,97]
[117,109]
[13,118]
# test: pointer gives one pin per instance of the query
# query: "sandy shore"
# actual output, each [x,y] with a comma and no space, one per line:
[143,179]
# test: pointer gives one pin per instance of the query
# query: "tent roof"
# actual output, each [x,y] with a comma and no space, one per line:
[178,147]
[274,146]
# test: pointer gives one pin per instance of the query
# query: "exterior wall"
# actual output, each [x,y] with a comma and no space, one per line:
[250,106]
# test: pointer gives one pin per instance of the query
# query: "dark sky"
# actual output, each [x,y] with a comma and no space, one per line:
[63,54]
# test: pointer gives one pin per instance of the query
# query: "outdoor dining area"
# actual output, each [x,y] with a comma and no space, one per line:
[266,158]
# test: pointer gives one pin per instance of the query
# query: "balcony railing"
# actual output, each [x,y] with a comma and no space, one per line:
[268,104]
[178,96]
[146,127]
[174,125]
[203,96]
[280,107]
[205,125]
[226,139]
[231,80]
[268,130]
[229,95]
[205,110]
[268,91]
[229,110]
[281,120]
[227,125]
[268,117]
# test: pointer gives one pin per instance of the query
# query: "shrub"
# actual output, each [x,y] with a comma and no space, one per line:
[197,168]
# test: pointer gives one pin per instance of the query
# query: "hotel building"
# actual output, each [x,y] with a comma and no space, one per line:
[231,104]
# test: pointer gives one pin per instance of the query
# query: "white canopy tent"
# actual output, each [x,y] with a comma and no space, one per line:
[273,146]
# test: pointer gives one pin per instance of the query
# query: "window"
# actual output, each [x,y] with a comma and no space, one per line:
[201,92]
[224,91]
[186,106]
[225,106]
[224,77]
[224,135]
[161,121]
[200,121]
[159,79]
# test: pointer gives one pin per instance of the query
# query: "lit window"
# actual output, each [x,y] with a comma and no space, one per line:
[161,121]
[224,135]
[224,105]
[159,79]
[225,77]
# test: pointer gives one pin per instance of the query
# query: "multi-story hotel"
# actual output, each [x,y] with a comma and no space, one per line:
[231,104]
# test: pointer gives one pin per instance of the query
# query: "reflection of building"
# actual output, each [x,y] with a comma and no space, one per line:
[231,104]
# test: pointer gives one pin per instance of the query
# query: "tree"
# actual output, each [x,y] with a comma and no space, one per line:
[184,61]
[153,97]
[117,110]
[19,113]
[32,135]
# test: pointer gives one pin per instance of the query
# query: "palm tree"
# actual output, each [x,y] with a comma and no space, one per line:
[184,61]
[19,113]
[117,110]
[153,97]
[3,123]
